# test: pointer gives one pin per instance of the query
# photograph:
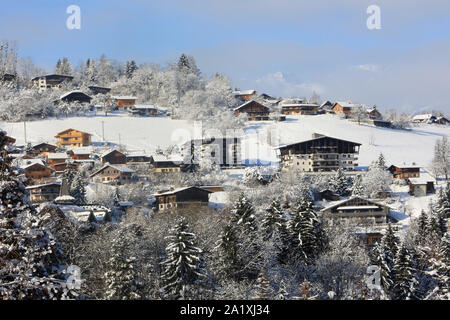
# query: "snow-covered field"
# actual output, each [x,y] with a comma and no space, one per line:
[398,146]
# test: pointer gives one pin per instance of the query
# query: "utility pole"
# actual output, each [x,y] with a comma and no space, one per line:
[119,141]
[25,131]
[103,130]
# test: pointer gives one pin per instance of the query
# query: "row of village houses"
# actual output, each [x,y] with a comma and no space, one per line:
[45,162]
[257,107]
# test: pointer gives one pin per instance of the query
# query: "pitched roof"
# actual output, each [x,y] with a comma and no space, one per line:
[70,129]
[244,92]
[165,193]
[248,102]
[339,203]
[119,168]
[72,92]
[321,137]
[58,155]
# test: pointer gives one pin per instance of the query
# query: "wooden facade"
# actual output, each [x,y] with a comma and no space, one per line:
[41,148]
[124,102]
[71,138]
[50,81]
[182,198]
[114,157]
[322,153]
[99,90]
[300,109]
[113,174]
[37,171]
[404,172]
[356,207]
[44,192]
[254,110]
[76,96]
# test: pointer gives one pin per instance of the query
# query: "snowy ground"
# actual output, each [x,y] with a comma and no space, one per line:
[146,133]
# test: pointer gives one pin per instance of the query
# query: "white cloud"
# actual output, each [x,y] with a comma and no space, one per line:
[277,84]
[367,67]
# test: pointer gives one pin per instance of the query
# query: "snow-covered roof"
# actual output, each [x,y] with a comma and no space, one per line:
[357,207]
[124,97]
[425,116]
[119,168]
[424,178]
[169,192]
[70,92]
[144,106]
[407,166]
[82,150]
[348,104]
[25,163]
[248,102]
[300,105]
[44,184]
[163,158]
[58,155]
[338,204]
[244,92]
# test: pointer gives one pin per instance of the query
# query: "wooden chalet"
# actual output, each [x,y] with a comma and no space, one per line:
[345,108]
[113,174]
[75,96]
[43,147]
[50,81]
[124,102]
[244,95]
[114,157]
[55,158]
[321,153]
[81,153]
[161,164]
[300,109]
[373,113]
[442,120]
[72,138]
[36,170]
[404,171]
[356,207]
[143,110]
[99,90]
[46,192]
[421,186]
[182,198]
[254,110]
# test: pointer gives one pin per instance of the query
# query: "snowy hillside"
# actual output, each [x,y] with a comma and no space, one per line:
[415,145]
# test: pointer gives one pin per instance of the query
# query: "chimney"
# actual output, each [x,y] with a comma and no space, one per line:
[316,135]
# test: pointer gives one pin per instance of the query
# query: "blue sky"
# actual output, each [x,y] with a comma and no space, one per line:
[282,47]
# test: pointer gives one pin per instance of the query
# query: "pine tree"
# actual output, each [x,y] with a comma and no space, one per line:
[282,292]
[306,232]
[238,245]
[77,190]
[31,262]
[357,189]
[121,278]
[380,162]
[184,272]
[339,183]
[423,228]
[439,268]
[273,219]
[263,291]
[403,275]
[380,259]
